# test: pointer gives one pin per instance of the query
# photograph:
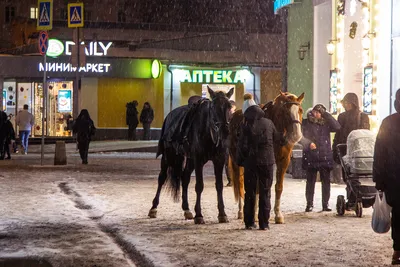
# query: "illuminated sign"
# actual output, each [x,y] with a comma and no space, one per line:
[156,68]
[67,67]
[56,48]
[4,100]
[213,76]
[333,91]
[367,90]
[278,4]
[64,101]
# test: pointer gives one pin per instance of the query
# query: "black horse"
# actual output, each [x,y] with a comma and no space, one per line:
[190,137]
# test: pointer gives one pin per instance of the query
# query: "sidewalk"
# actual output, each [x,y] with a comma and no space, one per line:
[101,146]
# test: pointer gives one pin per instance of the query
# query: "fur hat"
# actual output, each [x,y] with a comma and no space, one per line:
[248,101]
[320,108]
[397,101]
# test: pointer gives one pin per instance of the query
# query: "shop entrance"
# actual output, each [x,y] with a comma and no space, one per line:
[59,105]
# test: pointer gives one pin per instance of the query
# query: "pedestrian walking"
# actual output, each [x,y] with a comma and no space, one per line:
[25,122]
[256,154]
[10,136]
[146,118]
[317,153]
[132,119]
[84,129]
[228,177]
[351,119]
[386,170]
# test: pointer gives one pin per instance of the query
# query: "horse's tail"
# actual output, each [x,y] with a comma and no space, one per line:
[237,177]
[175,169]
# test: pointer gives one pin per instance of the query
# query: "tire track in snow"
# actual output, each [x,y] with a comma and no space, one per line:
[135,258]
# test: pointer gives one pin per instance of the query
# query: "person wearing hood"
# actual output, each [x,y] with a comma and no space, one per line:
[132,119]
[256,154]
[84,129]
[146,118]
[351,119]
[317,153]
[386,170]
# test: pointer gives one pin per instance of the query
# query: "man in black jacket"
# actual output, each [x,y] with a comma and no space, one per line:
[256,154]
[386,170]
[132,119]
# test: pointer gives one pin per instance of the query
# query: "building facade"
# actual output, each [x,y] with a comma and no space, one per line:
[242,39]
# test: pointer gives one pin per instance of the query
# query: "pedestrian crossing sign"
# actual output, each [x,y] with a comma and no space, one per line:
[75,15]
[45,16]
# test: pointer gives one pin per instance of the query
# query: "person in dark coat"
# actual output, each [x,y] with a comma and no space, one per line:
[256,154]
[351,119]
[10,136]
[228,177]
[146,118]
[3,133]
[132,119]
[386,170]
[317,153]
[84,129]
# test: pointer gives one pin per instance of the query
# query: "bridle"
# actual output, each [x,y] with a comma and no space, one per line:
[216,125]
[292,103]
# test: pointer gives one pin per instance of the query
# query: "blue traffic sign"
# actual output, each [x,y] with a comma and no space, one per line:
[45,16]
[75,15]
[43,42]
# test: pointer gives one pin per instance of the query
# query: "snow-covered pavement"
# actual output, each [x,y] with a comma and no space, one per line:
[96,215]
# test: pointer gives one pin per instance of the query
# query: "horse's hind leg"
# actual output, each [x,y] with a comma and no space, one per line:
[218,169]
[162,177]
[185,183]
[198,219]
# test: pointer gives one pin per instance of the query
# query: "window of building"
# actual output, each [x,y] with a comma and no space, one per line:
[10,13]
[34,13]
[121,16]
[63,14]
[87,15]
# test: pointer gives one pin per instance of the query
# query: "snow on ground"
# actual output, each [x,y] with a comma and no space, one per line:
[96,215]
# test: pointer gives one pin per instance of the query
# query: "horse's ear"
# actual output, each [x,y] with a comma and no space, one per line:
[282,93]
[230,93]
[211,92]
[300,98]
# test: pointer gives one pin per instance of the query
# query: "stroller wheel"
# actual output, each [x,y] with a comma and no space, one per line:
[359,209]
[340,205]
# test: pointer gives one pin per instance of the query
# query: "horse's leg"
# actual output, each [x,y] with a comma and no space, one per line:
[185,183]
[241,193]
[256,203]
[218,169]
[281,167]
[198,167]
[162,177]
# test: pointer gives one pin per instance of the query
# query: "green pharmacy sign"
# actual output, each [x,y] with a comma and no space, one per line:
[278,4]
[213,76]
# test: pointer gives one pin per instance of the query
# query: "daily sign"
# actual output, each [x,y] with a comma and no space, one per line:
[57,48]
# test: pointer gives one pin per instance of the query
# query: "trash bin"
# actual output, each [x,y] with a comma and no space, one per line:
[295,166]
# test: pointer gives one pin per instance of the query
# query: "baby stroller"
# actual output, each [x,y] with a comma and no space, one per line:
[356,159]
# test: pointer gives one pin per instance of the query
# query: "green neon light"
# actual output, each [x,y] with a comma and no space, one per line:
[213,76]
[56,48]
[156,69]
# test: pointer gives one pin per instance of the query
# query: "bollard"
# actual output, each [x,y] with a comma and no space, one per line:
[60,155]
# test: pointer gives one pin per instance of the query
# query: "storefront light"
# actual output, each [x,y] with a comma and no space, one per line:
[156,69]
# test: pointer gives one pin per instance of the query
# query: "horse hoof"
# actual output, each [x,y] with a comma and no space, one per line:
[240,215]
[279,220]
[188,215]
[153,213]
[223,219]
[199,220]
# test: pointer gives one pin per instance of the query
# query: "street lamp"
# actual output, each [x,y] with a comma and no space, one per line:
[330,47]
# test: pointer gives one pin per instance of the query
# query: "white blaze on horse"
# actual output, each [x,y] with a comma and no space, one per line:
[286,113]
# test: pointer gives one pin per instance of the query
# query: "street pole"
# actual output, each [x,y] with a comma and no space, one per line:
[44,103]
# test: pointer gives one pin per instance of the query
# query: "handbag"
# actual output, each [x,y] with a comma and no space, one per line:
[381,219]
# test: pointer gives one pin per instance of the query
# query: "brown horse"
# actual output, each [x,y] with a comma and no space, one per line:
[286,113]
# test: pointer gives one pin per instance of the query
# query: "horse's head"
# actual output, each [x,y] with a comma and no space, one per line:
[220,114]
[289,114]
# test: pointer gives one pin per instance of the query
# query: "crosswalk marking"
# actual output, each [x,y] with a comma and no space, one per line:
[44,16]
[75,16]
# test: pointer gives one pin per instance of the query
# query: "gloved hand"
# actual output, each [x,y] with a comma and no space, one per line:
[320,108]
